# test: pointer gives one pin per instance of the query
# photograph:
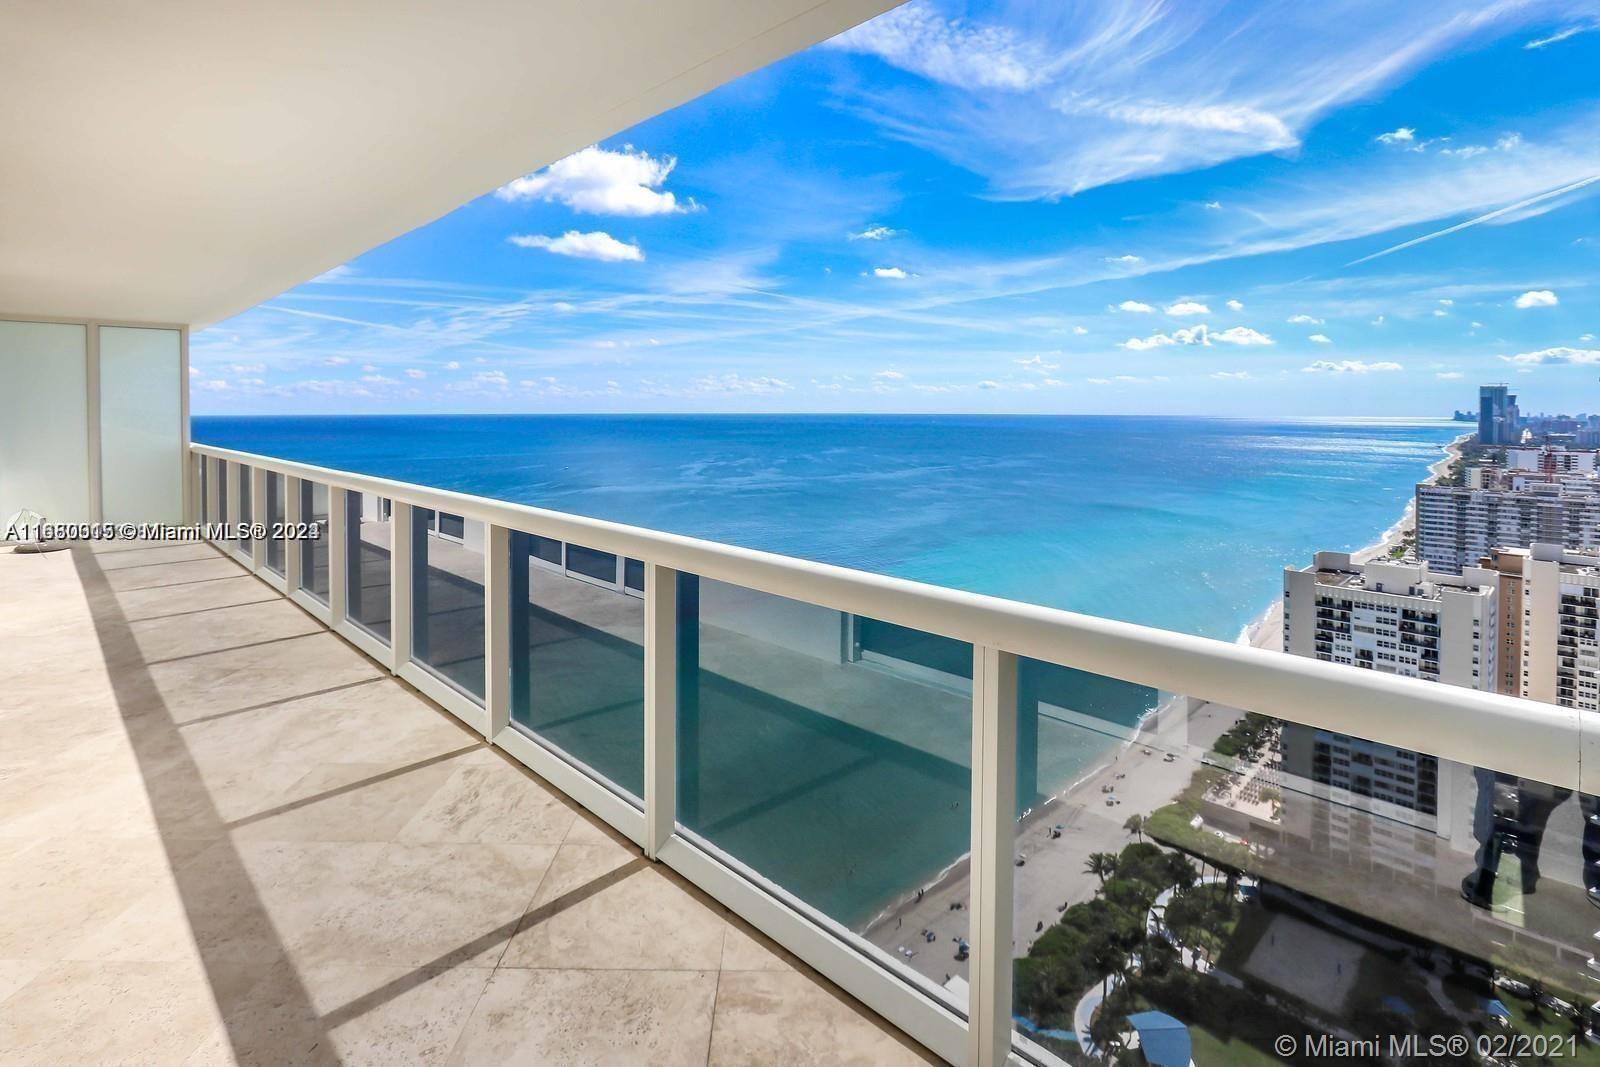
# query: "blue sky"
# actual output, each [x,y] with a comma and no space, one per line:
[1118,207]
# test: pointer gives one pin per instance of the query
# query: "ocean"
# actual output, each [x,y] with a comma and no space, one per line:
[1181,523]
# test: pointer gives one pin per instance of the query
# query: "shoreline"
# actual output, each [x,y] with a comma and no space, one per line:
[1266,630]
[1088,810]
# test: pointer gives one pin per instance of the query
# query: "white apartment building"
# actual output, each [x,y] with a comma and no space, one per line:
[1459,525]
[1557,644]
[1397,618]
[1550,460]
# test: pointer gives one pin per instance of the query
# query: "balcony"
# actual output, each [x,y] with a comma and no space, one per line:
[229,835]
[464,778]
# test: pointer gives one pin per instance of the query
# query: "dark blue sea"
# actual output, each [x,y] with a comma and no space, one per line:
[1183,523]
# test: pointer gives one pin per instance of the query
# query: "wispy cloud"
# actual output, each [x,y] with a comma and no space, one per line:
[1561,35]
[1046,104]
[1518,208]
[1350,366]
[1555,355]
[874,233]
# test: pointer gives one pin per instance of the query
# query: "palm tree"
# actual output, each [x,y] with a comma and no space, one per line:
[1135,826]
[1102,865]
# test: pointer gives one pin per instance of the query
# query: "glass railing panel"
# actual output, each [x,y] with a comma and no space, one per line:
[1189,872]
[223,514]
[246,504]
[276,510]
[842,775]
[577,663]
[447,623]
[314,550]
[369,534]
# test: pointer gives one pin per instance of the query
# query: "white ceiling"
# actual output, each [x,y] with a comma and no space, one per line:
[179,161]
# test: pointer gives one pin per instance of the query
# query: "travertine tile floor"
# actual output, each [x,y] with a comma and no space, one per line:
[226,836]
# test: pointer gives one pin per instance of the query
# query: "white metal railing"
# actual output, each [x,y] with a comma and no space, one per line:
[1517,737]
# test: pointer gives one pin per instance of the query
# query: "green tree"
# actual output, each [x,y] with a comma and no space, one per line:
[1135,826]
[1102,865]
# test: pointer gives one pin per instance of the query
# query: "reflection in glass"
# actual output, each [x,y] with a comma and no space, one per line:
[274,520]
[368,537]
[1195,869]
[578,670]
[447,635]
[246,503]
[314,550]
[832,755]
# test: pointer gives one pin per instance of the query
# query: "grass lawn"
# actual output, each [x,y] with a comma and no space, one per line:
[1212,1051]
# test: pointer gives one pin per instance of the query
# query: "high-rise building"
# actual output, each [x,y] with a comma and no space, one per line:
[1459,525]
[1557,613]
[1497,415]
[1398,618]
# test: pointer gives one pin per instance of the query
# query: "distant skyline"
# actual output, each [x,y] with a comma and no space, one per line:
[1110,207]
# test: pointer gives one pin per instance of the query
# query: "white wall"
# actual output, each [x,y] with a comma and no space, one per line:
[44,420]
[141,415]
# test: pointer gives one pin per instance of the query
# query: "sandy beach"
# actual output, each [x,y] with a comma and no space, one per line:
[1091,813]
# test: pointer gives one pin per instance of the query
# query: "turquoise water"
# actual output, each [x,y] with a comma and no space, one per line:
[1184,523]
[848,799]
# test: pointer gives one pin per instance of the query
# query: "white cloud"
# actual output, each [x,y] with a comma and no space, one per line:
[1197,335]
[735,383]
[414,373]
[492,378]
[1450,375]
[334,361]
[378,379]
[1126,261]
[875,233]
[214,385]
[1555,356]
[1404,135]
[1212,205]
[1560,35]
[1235,305]
[1241,335]
[889,272]
[1187,307]
[1304,320]
[1440,313]
[1231,375]
[597,245]
[1079,331]
[1537,298]
[889,376]
[1044,105]
[1349,366]
[1192,335]
[1446,301]
[454,364]
[1136,306]
[1037,364]
[1321,339]
[953,51]
[598,181]
[988,383]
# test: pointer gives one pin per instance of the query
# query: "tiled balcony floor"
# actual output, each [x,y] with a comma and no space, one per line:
[226,836]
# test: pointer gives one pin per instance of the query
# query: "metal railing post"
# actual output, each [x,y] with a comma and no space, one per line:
[660,706]
[497,651]
[994,790]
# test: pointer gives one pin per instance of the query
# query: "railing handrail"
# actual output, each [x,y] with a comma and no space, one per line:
[1512,735]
